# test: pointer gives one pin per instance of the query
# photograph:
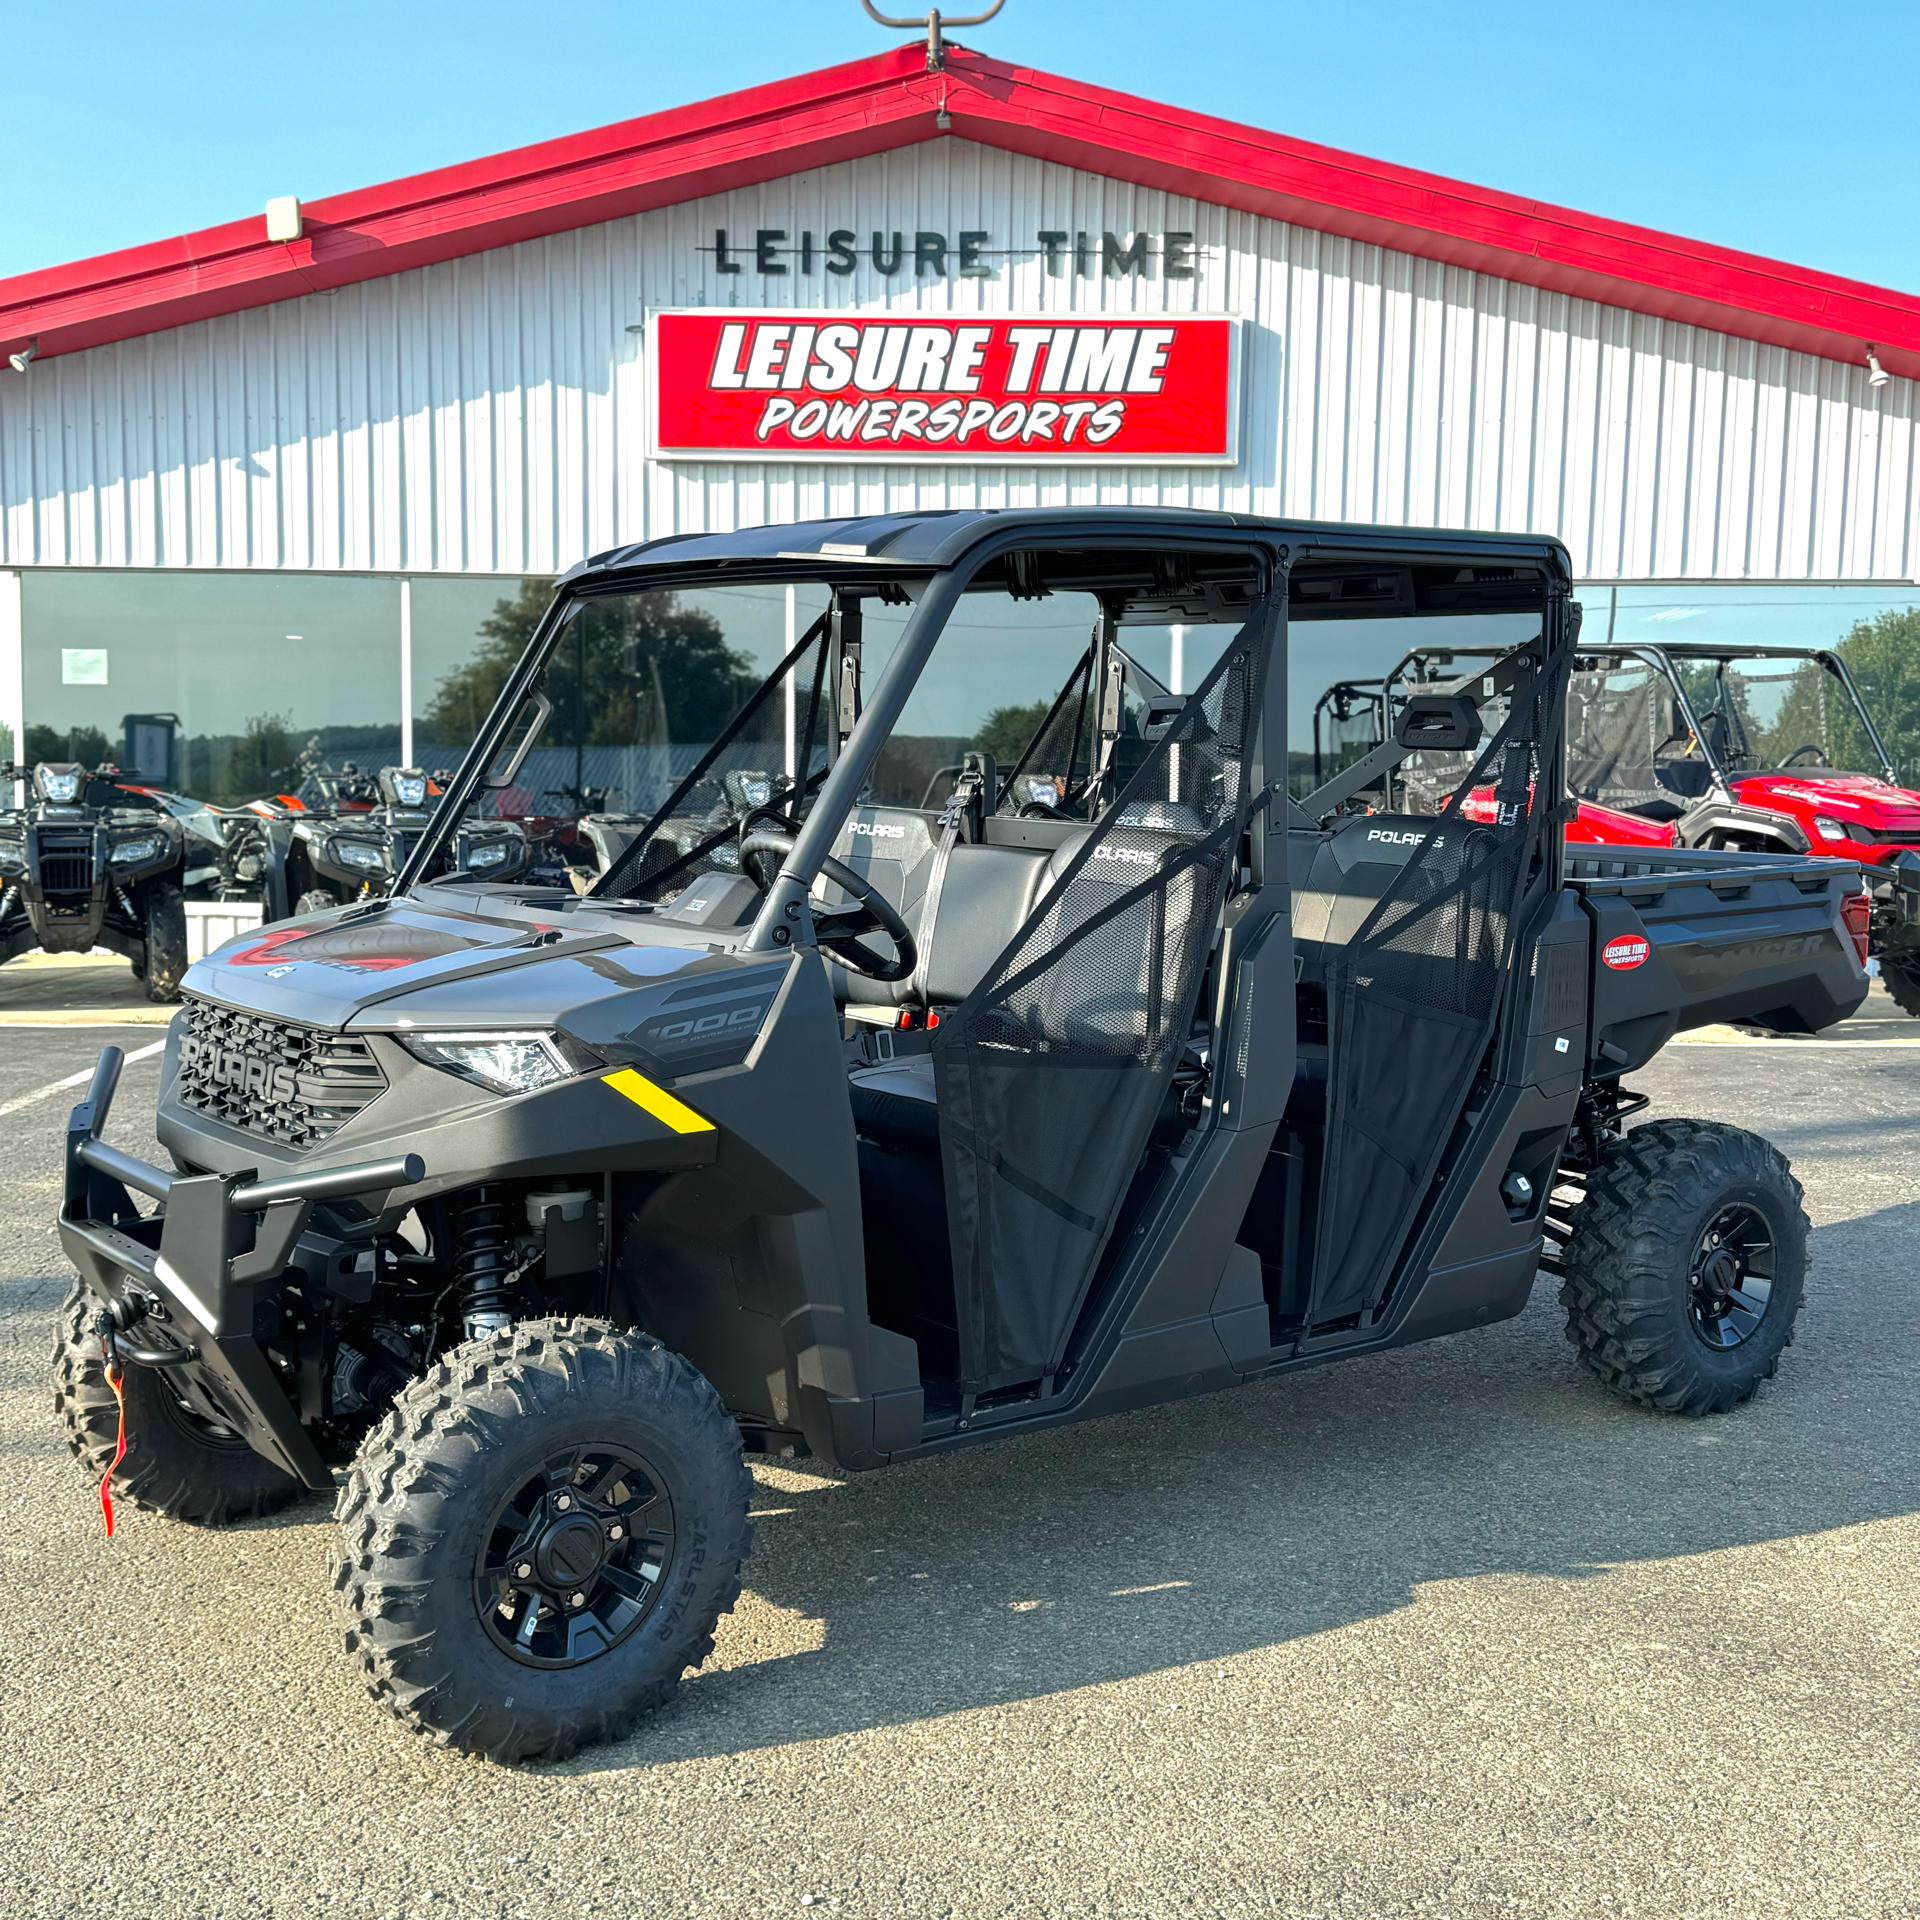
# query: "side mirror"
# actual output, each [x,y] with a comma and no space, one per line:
[1439,723]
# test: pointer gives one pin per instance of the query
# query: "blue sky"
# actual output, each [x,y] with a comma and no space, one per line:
[1781,129]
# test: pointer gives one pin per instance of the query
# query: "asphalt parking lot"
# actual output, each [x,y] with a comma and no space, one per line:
[1441,1632]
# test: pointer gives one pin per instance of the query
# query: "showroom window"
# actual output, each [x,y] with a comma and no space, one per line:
[231,685]
[216,684]
[1875,630]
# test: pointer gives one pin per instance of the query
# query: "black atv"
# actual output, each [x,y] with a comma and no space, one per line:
[92,862]
[850,1127]
[356,833]
[605,838]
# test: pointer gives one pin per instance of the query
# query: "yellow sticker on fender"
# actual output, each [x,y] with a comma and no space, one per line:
[658,1102]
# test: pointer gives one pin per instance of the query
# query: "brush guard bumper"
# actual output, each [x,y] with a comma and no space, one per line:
[186,1276]
[1895,885]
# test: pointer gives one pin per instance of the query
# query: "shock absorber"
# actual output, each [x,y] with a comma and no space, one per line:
[483,1260]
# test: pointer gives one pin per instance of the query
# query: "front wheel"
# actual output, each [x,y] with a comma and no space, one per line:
[1902,978]
[176,1462]
[166,930]
[315,900]
[539,1539]
[1686,1265]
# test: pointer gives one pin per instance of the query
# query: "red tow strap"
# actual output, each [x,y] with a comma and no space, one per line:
[120,1446]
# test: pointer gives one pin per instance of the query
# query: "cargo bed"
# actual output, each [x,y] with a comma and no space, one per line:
[1686,938]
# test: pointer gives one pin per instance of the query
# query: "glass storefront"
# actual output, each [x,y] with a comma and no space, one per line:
[230,686]
[220,685]
[1875,630]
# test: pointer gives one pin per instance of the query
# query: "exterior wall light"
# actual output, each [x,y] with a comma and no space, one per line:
[25,358]
[1877,375]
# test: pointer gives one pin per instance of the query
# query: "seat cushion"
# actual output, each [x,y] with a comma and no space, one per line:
[895,1102]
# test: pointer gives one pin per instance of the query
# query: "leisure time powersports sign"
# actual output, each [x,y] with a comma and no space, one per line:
[781,385]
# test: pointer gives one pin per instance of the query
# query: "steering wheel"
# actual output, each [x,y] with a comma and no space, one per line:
[838,929]
[1818,753]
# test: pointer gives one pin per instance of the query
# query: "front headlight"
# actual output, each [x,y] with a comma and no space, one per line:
[488,856]
[61,788]
[356,853]
[13,857]
[129,853]
[503,1062]
[1829,829]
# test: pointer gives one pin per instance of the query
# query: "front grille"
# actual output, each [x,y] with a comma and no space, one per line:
[66,869]
[1892,836]
[297,1085]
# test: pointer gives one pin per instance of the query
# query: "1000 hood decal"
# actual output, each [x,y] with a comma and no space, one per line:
[973,387]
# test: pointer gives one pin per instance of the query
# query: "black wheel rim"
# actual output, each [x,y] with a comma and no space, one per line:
[1731,1281]
[575,1557]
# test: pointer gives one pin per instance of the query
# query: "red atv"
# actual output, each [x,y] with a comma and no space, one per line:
[1769,749]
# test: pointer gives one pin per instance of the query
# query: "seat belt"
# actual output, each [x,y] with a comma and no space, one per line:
[969,791]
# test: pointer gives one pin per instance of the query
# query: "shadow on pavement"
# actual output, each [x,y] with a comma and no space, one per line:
[1204,1530]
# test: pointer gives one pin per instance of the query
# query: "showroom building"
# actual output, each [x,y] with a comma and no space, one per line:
[274,482]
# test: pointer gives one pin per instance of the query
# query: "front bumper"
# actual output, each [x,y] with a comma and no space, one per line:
[186,1277]
[1895,886]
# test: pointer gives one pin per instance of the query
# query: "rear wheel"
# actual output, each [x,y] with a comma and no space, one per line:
[539,1539]
[166,961]
[176,1463]
[1686,1266]
[1902,978]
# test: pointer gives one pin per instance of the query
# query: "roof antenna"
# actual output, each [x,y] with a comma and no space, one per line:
[936,47]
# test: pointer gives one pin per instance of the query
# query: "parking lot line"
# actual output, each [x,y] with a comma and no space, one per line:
[1782,1045]
[72,1080]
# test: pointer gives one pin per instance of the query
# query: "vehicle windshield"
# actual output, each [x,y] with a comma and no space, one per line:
[1766,712]
[665,725]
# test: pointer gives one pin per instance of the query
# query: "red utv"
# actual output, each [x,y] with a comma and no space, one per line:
[1349,721]
[1766,749]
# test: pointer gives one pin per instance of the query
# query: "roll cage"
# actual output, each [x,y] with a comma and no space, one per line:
[1714,742]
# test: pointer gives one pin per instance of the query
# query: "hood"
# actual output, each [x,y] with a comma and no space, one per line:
[1847,796]
[1591,824]
[1605,826]
[359,967]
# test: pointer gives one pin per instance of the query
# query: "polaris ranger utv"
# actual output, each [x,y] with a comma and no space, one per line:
[864,1130]
[93,862]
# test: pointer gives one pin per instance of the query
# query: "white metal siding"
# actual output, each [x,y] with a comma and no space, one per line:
[487,415]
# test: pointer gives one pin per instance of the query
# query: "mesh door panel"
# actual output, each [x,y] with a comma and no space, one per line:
[1050,1073]
[1412,1006]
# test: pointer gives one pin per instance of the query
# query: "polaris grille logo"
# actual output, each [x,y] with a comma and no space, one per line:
[247,1073]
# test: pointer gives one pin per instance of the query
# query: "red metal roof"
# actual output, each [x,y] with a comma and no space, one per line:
[889,101]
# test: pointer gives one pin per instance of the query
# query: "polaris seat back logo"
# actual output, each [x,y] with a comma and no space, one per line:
[1388,836]
[1626,951]
[876,829]
[1127,856]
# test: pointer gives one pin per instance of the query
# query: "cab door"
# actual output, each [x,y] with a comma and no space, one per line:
[1051,1072]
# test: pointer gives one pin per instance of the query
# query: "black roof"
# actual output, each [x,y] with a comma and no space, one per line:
[934,540]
